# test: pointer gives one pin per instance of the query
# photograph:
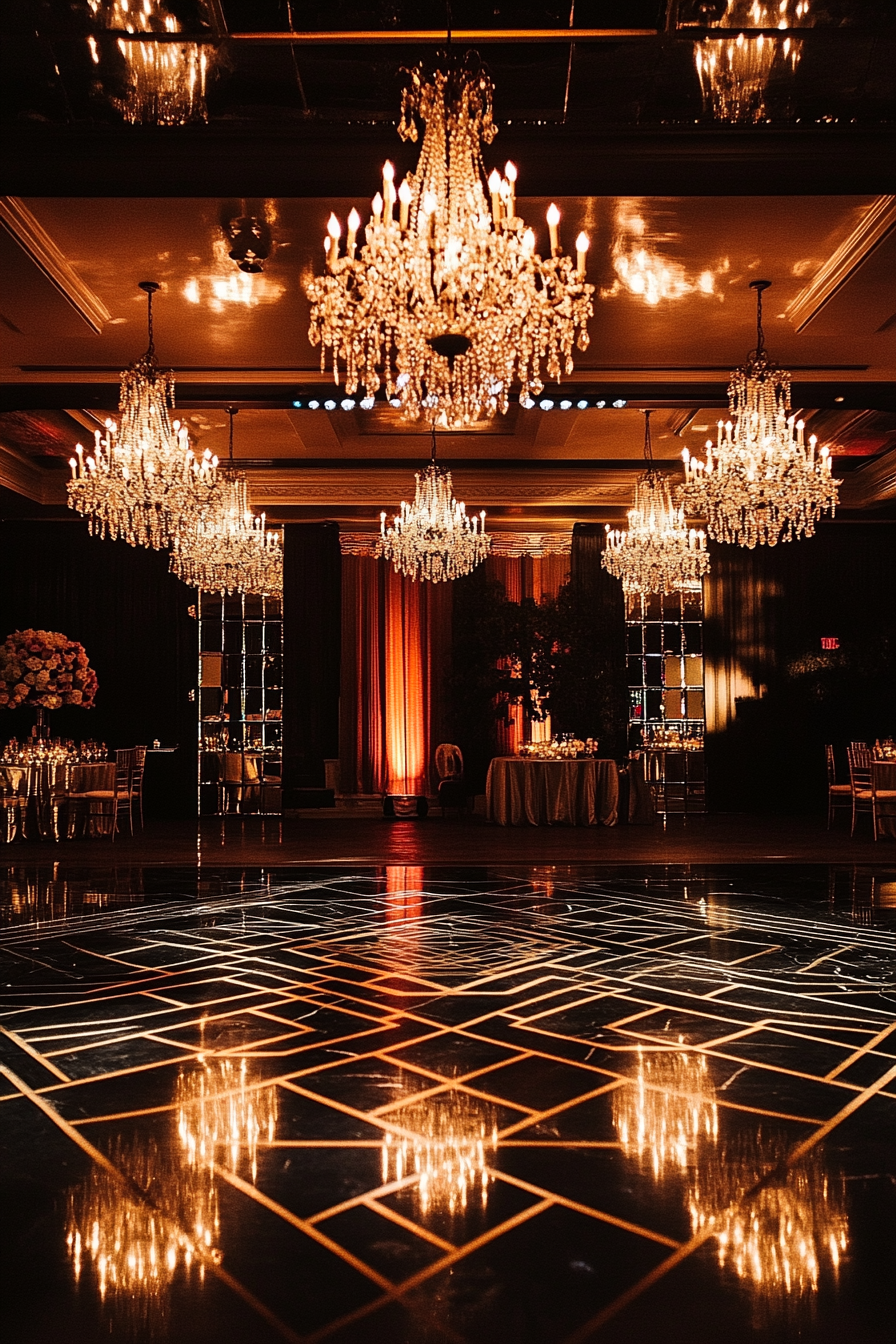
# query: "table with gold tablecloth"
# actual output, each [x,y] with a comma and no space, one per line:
[884,774]
[520,791]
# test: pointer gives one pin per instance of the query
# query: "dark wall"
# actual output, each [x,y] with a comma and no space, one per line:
[766,612]
[312,636]
[131,616]
[598,694]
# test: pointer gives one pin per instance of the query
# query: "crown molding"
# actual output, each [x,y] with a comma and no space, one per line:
[874,483]
[506,545]
[21,475]
[34,240]
[878,221]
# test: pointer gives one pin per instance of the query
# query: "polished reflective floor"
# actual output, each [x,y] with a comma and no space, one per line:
[502,1106]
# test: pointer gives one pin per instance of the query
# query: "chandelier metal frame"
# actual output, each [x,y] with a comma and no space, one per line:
[657,553]
[433,538]
[142,483]
[230,549]
[448,305]
[762,482]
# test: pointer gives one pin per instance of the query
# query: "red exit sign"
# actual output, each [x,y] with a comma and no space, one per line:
[830,642]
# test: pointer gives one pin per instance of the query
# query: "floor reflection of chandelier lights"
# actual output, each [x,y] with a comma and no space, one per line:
[447,1146]
[433,538]
[734,72]
[229,549]
[762,482]
[142,482]
[657,552]
[449,304]
[164,81]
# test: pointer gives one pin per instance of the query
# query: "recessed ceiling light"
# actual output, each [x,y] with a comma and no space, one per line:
[566,405]
[367,403]
[313,405]
[546,405]
[527,404]
[838,398]
[619,404]
[582,405]
[348,404]
[297,403]
[600,405]
[329,405]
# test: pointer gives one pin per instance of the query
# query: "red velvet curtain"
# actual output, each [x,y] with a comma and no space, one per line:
[396,638]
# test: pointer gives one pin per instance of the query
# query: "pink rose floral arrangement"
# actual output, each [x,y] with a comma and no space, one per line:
[42,667]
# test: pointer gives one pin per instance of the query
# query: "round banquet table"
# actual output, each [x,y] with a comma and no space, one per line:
[521,791]
[885,778]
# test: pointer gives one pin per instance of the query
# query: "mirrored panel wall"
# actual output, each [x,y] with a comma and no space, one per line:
[240,704]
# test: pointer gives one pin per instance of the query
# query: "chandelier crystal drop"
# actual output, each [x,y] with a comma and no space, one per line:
[433,539]
[448,304]
[657,553]
[230,549]
[164,82]
[142,482]
[734,72]
[762,482]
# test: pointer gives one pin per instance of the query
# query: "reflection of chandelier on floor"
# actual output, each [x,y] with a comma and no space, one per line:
[734,72]
[762,482]
[450,303]
[142,482]
[657,552]
[229,549]
[433,538]
[164,81]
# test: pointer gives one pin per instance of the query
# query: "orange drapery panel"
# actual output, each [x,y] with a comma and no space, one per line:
[396,649]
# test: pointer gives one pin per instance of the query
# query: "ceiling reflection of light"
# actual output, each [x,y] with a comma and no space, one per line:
[643,270]
[776,1238]
[160,1218]
[446,1145]
[224,287]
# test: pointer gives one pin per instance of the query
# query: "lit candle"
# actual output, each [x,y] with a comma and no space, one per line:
[528,243]
[388,189]
[582,245]
[404,197]
[334,229]
[553,218]
[377,207]
[354,223]
[494,186]
[510,174]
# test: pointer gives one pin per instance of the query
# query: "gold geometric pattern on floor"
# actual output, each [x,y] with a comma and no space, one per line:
[421,1108]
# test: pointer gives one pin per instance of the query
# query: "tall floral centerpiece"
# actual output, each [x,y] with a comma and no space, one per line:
[45,669]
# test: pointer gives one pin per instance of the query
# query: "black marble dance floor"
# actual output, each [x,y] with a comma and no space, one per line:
[414,1106]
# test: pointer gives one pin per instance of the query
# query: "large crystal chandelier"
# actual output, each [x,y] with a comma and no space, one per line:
[761,482]
[657,553]
[229,549]
[449,304]
[734,72]
[433,538]
[142,482]
[164,82]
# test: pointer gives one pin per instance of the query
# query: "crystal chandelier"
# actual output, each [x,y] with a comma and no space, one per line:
[734,72]
[657,553]
[762,482]
[164,81]
[229,549]
[449,304]
[142,482]
[433,538]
